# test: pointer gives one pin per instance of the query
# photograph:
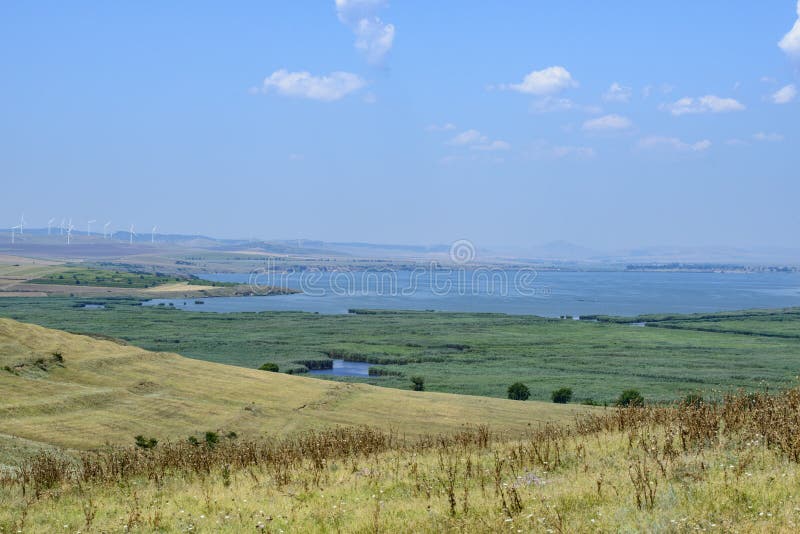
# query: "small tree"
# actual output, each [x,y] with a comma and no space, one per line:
[269,366]
[418,383]
[518,391]
[630,397]
[561,395]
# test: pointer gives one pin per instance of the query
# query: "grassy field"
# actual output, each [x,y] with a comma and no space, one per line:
[21,277]
[476,354]
[83,392]
[730,467]
[76,276]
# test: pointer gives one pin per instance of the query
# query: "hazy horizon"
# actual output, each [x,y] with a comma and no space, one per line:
[515,125]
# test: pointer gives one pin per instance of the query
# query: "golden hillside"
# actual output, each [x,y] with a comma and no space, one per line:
[80,392]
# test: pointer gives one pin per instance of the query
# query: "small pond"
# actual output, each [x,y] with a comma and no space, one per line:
[343,368]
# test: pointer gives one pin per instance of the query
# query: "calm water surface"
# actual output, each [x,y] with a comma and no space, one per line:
[549,294]
[343,368]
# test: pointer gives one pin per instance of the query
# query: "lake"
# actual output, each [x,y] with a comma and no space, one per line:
[343,368]
[549,294]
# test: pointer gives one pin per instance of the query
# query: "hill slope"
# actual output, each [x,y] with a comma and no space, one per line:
[81,392]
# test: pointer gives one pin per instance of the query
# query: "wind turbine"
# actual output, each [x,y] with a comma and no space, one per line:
[12,233]
[49,224]
[131,234]
[61,227]
[21,223]
[89,227]
[69,232]
[105,227]
[153,235]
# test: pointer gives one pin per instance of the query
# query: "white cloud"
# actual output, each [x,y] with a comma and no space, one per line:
[374,38]
[552,104]
[617,93]
[303,84]
[703,104]
[544,82]
[544,150]
[607,123]
[656,142]
[736,142]
[768,137]
[790,43]
[447,126]
[477,141]
[785,94]
[493,146]
[468,137]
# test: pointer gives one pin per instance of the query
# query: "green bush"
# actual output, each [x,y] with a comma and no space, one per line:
[630,397]
[518,391]
[269,366]
[212,438]
[693,399]
[561,395]
[418,383]
[145,443]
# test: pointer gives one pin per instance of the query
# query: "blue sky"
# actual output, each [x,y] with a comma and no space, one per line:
[610,124]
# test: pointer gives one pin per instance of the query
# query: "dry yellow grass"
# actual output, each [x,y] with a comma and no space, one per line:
[105,392]
[180,287]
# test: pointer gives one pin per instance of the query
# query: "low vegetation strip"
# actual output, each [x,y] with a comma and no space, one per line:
[106,278]
[464,353]
[727,466]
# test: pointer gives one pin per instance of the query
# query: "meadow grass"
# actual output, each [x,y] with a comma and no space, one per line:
[466,353]
[81,392]
[729,467]
[88,276]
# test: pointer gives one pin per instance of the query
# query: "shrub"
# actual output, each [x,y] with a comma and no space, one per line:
[212,438]
[418,383]
[561,395]
[269,366]
[630,397]
[145,443]
[518,391]
[693,399]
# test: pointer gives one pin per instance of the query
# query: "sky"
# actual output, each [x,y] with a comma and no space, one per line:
[606,124]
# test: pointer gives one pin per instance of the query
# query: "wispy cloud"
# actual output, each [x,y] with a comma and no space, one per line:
[333,86]
[790,43]
[475,140]
[607,123]
[374,37]
[703,104]
[768,137]
[542,149]
[673,143]
[444,127]
[543,82]
[617,93]
[785,94]
[552,104]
